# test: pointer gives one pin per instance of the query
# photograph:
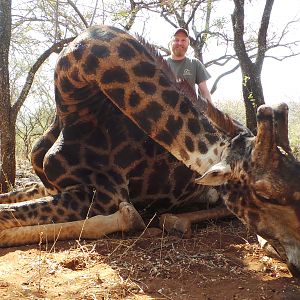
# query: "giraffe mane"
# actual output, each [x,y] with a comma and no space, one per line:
[221,120]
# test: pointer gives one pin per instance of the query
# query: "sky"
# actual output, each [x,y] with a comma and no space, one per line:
[280,79]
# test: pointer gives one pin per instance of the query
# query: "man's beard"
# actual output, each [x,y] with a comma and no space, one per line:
[179,51]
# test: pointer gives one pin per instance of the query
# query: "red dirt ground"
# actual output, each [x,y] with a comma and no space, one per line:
[220,261]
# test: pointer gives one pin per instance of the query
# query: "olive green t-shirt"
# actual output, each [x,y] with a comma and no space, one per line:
[191,69]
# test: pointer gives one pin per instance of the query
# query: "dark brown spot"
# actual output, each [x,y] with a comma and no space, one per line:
[174,125]
[194,126]
[212,139]
[60,212]
[184,107]
[78,51]
[170,97]
[189,144]
[144,69]
[53,169]
[100,51]
[148,88]
[151,113]
[207,126]
[158,177]
[91,64]
[71,217]
[134,99]
[164,137]
[115,74]
[125,51]
[112,209]
[164,81]
[135,187]
[202,147]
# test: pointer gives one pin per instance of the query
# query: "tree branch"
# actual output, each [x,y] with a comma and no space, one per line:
[238,30]
[262,34]
[79,13]
[214,87]
[55,48]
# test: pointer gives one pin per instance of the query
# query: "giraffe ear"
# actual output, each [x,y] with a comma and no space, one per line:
[215,175]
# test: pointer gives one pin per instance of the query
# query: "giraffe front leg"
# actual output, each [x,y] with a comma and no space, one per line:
[62,217]
[181,223]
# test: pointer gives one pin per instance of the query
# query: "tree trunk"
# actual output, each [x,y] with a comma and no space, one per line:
[251,71]
[253,96]
[8,161]
[7,120]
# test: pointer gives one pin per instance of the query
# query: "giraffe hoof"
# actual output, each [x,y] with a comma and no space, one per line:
[175,224]
[267,247]
[132,218]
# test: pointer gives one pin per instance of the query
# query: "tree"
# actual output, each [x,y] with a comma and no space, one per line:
[29,31]
[7,115]
[252,53]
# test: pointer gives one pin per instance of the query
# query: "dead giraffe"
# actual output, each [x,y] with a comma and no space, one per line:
[127,139]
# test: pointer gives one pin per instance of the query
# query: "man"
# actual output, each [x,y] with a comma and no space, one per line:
[191,69]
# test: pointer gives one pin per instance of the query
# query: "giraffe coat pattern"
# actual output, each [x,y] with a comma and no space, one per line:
[128,140]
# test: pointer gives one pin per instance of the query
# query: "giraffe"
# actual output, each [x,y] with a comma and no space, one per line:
[127,139]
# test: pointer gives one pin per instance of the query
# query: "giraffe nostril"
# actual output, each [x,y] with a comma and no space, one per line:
[295,270]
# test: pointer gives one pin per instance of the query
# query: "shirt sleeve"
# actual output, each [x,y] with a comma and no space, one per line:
[201,72]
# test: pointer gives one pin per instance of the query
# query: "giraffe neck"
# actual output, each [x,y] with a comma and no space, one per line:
[137,81]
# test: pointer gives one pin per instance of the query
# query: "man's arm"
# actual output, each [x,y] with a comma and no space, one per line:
[204,90]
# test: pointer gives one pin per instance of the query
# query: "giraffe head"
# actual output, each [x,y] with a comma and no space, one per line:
[261,183]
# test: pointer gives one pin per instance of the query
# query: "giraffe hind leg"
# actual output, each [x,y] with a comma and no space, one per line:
[124,220]
[41,148]
[34,191]
[67,215]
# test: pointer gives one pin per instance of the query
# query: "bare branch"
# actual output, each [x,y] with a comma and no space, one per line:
[214,87]
[30,76]
[94,13]
[79,13]
[262,34]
